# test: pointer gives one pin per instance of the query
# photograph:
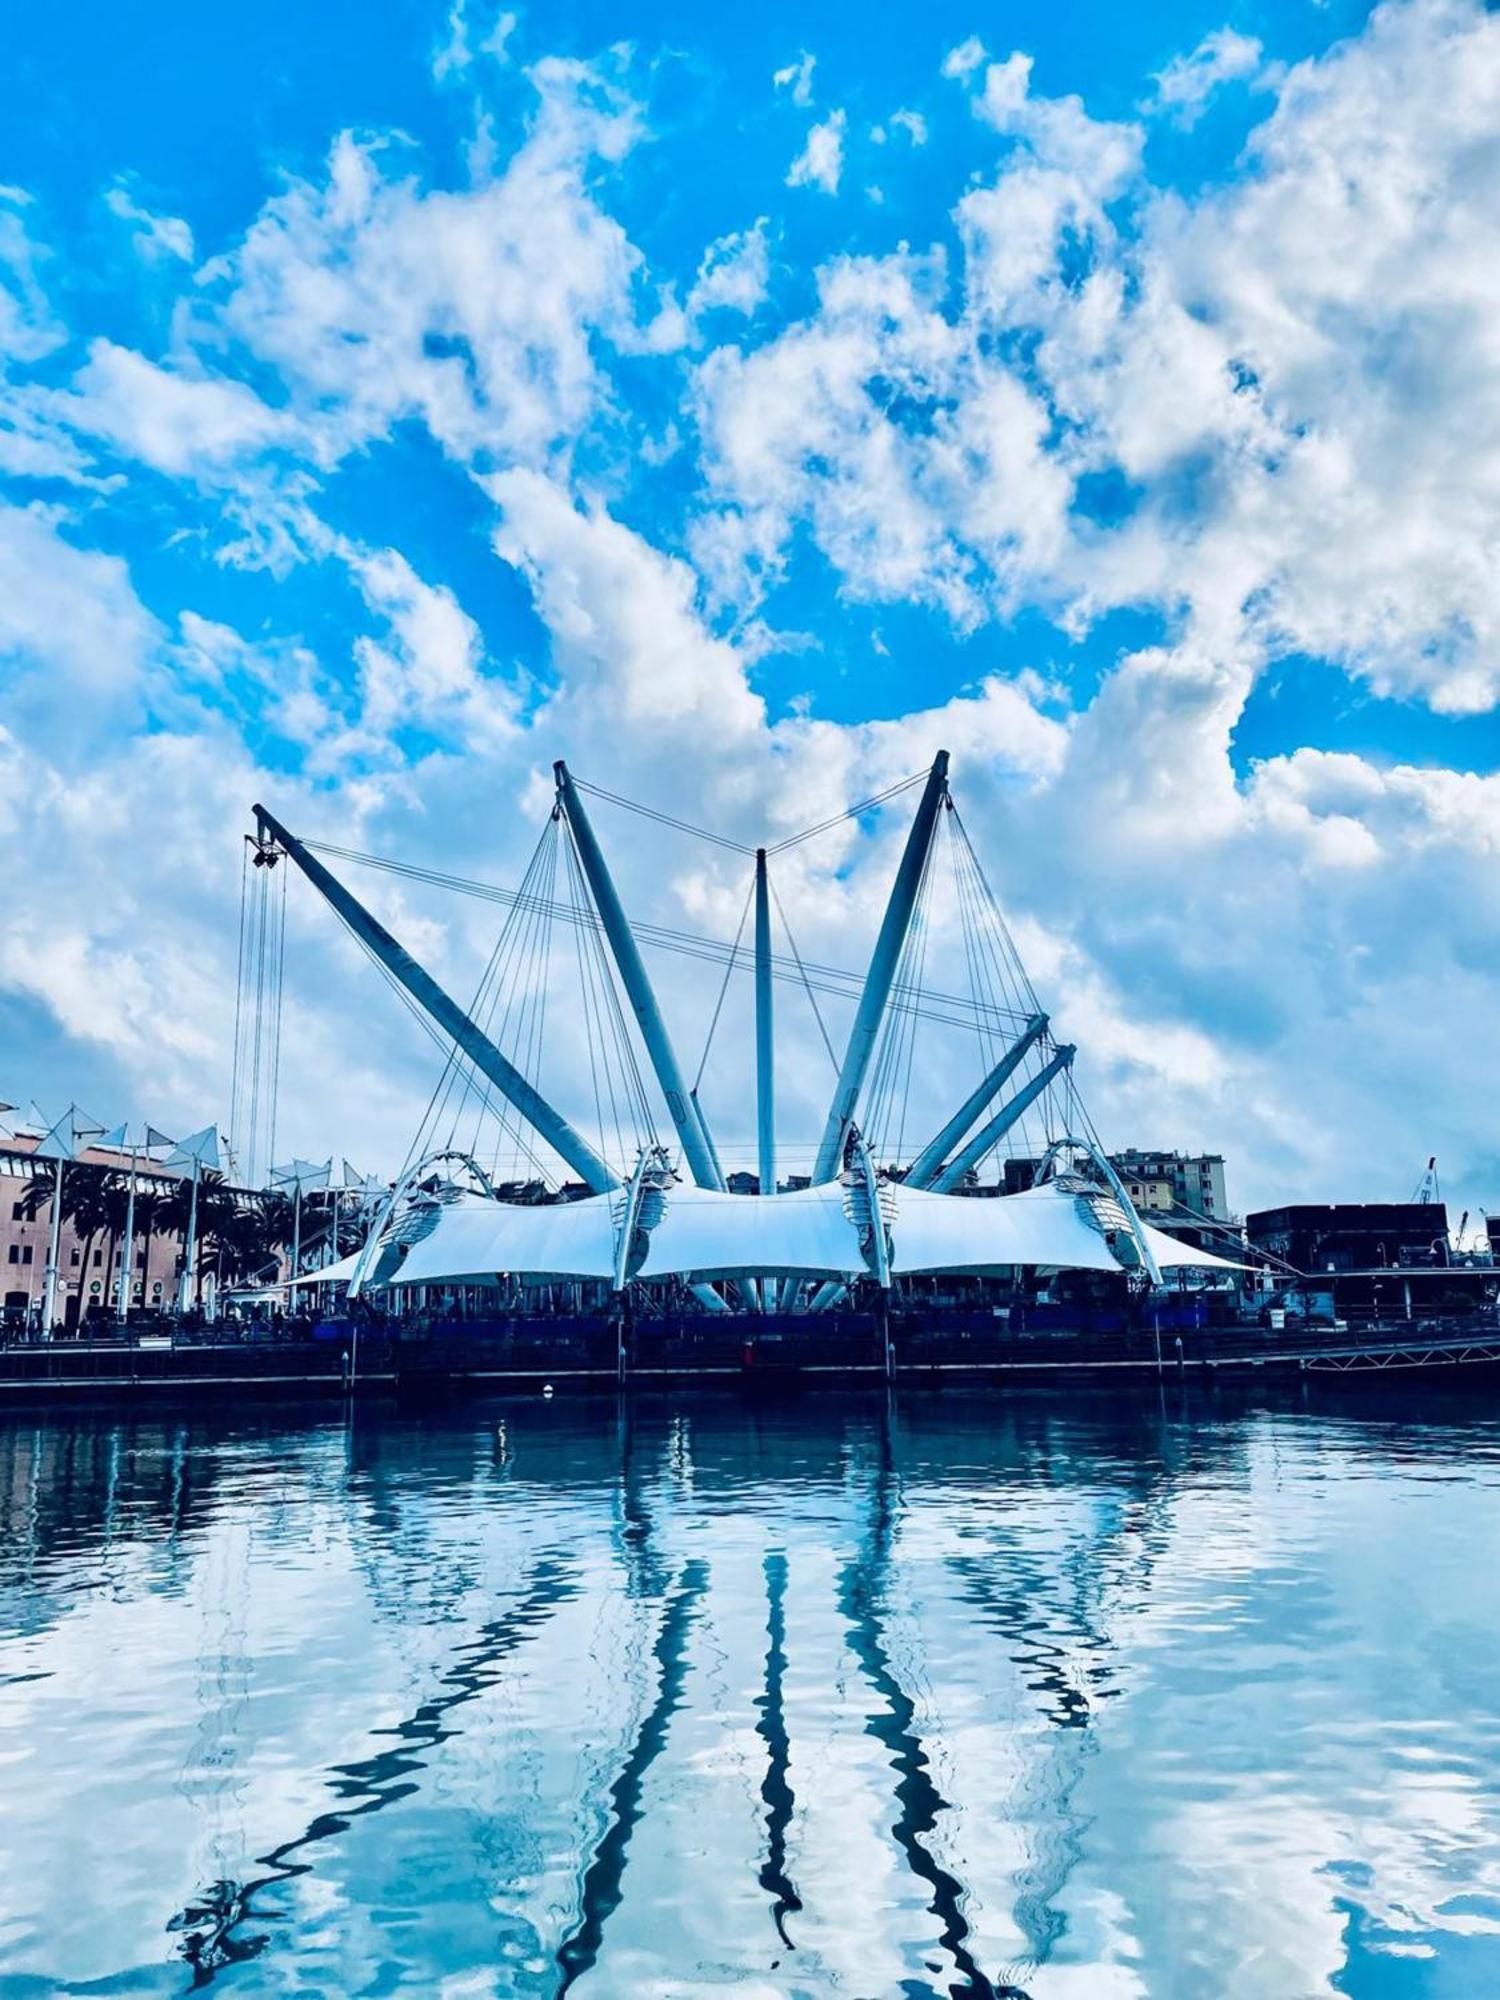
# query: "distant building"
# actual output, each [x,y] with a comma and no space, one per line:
[88,1266]
[1196,1180]
[1353,1236]
[1162,1185]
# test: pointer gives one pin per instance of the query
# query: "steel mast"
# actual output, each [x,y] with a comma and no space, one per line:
[570,1145]
[987,1135]
[697,1146]
[924,1168]
[765,1049]
[882,973]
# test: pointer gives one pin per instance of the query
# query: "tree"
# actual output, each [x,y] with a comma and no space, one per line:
[85,1206]
[151,1220]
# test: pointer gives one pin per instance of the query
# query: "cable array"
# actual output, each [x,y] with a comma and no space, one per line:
[954,904]
[256,1063]
[833,981]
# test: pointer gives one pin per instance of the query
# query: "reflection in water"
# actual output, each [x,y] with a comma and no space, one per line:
[602,1883]
[893,1724]
[776,1789]
[991,1695]
[209,1924]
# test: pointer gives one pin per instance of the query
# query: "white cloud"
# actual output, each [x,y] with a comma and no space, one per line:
[734,273]
[1185,86]
[155,236]
[378,299]
[28,327]
[1290,383]
[458,51]
[965,58]
[174,421]
[797,78]
[72,632]
[821,161]
[913,124]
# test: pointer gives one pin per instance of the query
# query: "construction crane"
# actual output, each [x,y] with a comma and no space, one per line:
[1427,1187]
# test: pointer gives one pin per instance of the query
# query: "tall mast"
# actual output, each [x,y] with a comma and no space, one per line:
[924,1168]
[882,972]
[765,1046]
[568,1144]
[988,1135]
[682,1106]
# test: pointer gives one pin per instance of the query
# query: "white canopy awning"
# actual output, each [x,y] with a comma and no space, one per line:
[702,1233]
[801,1234]
[1171,1255]
[331,1274]
[475,1239]
[949,1232]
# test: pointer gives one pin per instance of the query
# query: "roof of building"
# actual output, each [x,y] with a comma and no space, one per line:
[813,1232]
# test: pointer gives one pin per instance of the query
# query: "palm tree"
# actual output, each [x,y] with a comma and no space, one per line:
[177,1214]
[151,1220]
[88,1206]
[85,1205]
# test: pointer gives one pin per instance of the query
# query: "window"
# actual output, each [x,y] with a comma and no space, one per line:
[25,1253]
[15,1253]
[76,1259]
[18,1211]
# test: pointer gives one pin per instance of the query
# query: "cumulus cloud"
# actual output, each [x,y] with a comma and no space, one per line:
[734,273]
[155,236]
[377,298]
[796,79]
[28,326]
[1267,414]
[175,421]
[468,38]
[1185,86]
[821,161]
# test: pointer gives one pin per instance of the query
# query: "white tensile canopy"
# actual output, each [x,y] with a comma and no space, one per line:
[702,1233]
[474,1239]
[331,1274]
[804,1233]
[947,1232]
[1171,1255]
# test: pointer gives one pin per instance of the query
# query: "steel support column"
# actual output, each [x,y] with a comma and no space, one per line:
[765,1048]
[882,973]
[924,1167]
[697,1148]
[1000,1124]
[569,1145]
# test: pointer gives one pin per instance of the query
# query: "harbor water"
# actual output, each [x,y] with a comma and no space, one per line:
[981,1693]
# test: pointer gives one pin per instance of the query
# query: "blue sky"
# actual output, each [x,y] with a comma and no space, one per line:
[742,404]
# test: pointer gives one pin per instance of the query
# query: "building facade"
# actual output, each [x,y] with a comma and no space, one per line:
[89,1263]
[1319,1237]
[1160,1184]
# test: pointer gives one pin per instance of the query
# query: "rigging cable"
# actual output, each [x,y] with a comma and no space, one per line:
[236,1075]
[277,970]
[729,968]
[837,982]
[849,812]
[807,984]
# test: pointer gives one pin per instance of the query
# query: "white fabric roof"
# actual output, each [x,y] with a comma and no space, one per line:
[708,1234]
[475,1238]
[948,1232]
[331,1274]
[703,1233]
[1171,1255]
